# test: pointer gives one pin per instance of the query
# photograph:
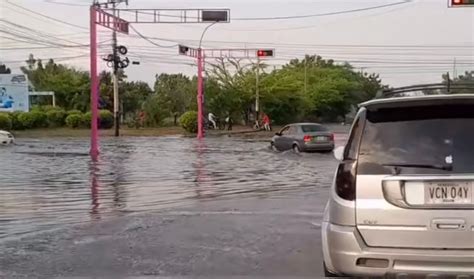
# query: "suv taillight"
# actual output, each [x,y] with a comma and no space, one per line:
[346,180]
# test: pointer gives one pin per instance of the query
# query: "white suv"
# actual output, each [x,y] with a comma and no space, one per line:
[402,201]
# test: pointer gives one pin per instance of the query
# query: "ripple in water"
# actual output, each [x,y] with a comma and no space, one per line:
[49,183]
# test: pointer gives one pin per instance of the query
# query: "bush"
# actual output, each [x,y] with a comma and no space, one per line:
[27,120]
[56,117]
[36,108]
[74,120]
[189,121]
[5,122]
[40,120]
[50,108]
[86,119]
[16,123]
[74,111]
[106,119]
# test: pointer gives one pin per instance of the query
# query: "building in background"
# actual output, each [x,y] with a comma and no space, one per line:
[14,95]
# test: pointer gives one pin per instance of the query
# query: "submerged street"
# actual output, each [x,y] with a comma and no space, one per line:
[166,206]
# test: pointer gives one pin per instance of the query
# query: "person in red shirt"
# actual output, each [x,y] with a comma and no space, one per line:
[266,122]
[142,118]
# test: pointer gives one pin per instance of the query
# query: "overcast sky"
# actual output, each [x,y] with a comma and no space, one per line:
[414,42]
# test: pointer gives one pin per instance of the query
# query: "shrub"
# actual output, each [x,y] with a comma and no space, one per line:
[49,108]
[86,119]
[74,111]
[56,117]
[16,123]
[27,120]
[40,120]
[106,119]
[74,120]
[5,122]
[189,121]
[36,108]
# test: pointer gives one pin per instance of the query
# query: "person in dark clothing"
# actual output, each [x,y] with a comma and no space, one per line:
[228,122]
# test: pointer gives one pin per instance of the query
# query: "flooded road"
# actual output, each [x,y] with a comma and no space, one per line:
[50,183]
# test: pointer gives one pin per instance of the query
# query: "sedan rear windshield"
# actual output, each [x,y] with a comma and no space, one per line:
[418,140]
[313,128]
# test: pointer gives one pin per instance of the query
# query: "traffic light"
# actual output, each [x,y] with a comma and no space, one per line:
[215,16]
[265,53]
[183,50]
[462,3]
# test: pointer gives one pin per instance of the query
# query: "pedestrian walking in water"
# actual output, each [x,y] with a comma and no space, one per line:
[141,118]
[228,122]
[212,119]
[266,122]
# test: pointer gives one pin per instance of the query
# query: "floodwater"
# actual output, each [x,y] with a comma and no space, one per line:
[49,183]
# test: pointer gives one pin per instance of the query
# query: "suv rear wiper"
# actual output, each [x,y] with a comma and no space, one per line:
[421,166]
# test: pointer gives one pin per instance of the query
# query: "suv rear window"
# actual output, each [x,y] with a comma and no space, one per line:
[313,128]
[424,140]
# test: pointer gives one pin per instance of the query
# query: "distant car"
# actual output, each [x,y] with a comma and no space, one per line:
[6,138]
[303,137]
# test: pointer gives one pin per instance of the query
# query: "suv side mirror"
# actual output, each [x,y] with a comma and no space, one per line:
[339,153]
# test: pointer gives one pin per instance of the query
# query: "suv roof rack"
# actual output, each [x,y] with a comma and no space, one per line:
[395,92]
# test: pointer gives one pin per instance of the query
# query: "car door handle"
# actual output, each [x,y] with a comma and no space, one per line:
[449,224]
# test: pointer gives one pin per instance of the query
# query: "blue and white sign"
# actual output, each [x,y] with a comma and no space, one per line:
[14,94]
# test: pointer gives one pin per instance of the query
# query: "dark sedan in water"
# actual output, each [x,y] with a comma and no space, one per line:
[303,137]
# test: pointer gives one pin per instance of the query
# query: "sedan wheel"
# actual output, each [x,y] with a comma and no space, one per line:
[273,147]
[296,148]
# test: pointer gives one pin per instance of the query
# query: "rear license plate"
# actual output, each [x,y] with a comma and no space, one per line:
[455,193]
[321,138]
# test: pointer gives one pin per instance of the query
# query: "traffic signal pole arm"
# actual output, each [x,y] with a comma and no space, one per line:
[114,20]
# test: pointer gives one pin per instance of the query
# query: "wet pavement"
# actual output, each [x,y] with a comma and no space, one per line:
[167,206]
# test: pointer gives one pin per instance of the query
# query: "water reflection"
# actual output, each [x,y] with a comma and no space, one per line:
[201,175]
[49,183]
[94,189]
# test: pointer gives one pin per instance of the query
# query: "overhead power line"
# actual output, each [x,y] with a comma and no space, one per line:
[45,16]
[293,16]
[324,14]
[149,40]
[57,2]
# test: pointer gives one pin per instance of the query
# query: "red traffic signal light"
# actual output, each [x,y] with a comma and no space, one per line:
[265,53]
[458,3]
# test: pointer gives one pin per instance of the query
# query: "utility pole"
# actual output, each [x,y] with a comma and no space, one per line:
[448,87]
[257,93]
[305,75]
[455,72]
[115,78]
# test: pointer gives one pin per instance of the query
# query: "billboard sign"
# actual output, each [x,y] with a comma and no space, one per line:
[14,94]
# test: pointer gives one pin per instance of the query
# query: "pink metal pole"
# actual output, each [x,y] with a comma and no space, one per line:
[200,134]
[94,152]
